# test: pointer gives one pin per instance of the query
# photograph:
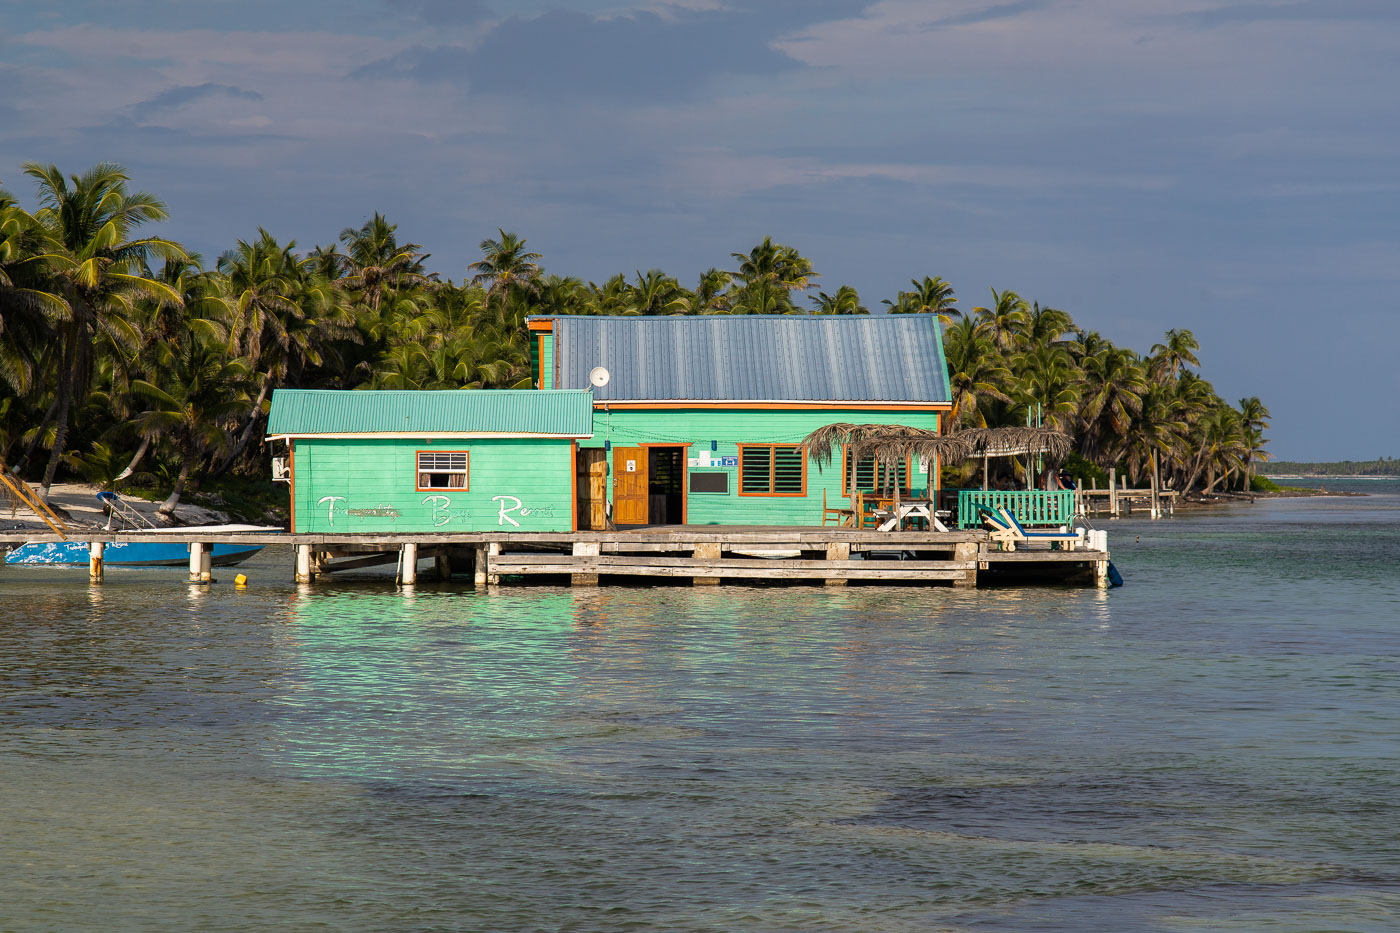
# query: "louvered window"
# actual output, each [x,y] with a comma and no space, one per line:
[445,469]
[772,470]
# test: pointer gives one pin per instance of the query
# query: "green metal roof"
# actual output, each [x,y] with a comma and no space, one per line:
[458,412]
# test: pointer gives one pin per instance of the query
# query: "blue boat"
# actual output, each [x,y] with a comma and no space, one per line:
[135,553]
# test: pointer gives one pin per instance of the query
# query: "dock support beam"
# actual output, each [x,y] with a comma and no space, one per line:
[707,552]
[303,572]
[479,566]
[585,549]
[442,561]
[967,552]
[95,561]
[838,550]
[1113,492]
[493,550]
[408,565]
[201,562]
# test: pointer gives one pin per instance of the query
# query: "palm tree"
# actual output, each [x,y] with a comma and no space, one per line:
[845,301]
[1046,376]
[1254,418]
[1004,318]
[286,318]
[710,292]
[1045,327]
[1169,358]
[976,371]
[31,310]
[931,295]
[103,275]
[770,273]
[1114,382]
[376,263]
[658,293]
[198,391]
[506,265]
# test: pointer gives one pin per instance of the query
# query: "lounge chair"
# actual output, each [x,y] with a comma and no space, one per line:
[1007,531]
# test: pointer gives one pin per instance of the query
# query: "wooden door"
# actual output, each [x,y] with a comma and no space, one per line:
[592,479]
[630,486]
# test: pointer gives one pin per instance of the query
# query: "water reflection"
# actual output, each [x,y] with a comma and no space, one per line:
[1210,747]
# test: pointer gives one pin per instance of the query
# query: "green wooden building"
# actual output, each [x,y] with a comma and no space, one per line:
[635,421]
[697,420]
[399,461]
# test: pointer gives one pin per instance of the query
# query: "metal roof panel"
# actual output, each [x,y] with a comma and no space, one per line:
[877,358]
[564,413]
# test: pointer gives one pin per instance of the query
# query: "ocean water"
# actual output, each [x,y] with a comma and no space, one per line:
[1212,747]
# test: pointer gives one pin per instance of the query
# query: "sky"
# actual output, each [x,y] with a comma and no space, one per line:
[1232,168]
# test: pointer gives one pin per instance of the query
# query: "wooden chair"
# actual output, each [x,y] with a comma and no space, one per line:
[843,517]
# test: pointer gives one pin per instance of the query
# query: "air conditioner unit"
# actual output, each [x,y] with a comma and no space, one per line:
[281,472]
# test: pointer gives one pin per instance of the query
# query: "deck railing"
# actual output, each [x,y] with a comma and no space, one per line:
[1030,506]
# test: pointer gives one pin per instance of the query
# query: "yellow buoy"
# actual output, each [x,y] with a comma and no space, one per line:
[240,580]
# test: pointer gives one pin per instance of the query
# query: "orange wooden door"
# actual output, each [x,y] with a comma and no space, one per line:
[630,486]
[598,491]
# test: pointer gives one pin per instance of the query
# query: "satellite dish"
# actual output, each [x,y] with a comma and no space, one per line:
[599,376]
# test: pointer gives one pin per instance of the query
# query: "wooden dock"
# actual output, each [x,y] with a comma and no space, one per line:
[696,554]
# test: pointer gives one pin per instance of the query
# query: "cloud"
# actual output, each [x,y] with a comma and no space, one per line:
[180,96]
[1296,10]
[639,56]
[444,12]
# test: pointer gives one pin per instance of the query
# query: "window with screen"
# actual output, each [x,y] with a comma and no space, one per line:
[445,469]
[772,470]
[867,479]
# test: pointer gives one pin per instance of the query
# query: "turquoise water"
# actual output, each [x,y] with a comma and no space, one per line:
[1212,747]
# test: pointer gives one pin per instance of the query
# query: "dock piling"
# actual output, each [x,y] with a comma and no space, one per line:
[838,550]
[966,552]
[585,549]
[707,552]
[201,566]
[303,571]
[95,561]
[408,566]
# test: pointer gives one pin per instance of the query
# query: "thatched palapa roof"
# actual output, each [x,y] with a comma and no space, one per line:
[893,442]
[888,442]
[1016,442]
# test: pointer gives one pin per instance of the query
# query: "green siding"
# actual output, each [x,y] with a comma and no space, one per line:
[728,429]
[546,361]
[371,486]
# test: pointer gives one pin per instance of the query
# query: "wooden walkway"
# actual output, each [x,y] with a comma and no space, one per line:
[698,554]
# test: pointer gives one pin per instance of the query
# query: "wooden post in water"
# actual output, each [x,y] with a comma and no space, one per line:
[707,552]
[586,549]
[966,551]
[408,571]
[1113,491]
[479,567]
[837,550]
[442,562]
[303,568]
[493,550]
[1156,486]
[200,562]
[95,561]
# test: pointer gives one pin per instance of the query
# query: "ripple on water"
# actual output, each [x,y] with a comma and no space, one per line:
[1213,747]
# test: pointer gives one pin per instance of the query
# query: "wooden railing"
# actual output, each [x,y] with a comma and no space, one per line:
[1030,506]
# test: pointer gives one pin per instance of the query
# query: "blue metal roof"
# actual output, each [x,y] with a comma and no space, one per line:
[503,412]
[876,358]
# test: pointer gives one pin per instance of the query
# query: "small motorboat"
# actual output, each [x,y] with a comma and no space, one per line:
[140,553]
